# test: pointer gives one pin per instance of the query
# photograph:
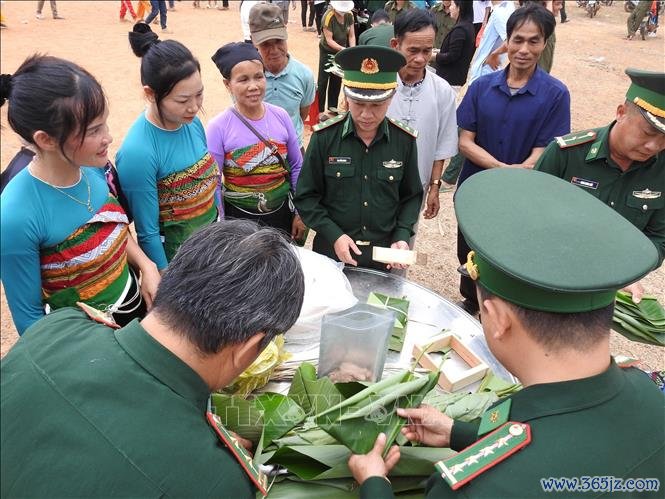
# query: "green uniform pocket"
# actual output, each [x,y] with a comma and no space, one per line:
[641,210]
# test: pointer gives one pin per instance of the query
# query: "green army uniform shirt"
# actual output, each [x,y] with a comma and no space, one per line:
[546,60]
[444,23]
[371,193]
[92,412]
[605,425]
[393,11]
[638,194]
[378,35]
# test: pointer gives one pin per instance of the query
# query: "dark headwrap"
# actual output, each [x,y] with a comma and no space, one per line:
[231,54]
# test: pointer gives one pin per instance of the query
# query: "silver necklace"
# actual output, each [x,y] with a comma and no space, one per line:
[87,204]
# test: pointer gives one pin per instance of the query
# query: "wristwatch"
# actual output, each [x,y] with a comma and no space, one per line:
[436,182]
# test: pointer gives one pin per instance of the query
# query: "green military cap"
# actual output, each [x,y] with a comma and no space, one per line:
[647,91]
[545,244]
[370,71]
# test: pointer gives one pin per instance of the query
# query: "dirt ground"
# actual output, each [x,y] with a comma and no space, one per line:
[590,59]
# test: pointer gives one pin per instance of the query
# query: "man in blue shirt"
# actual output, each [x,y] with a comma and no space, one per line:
[507,118]
[289,83]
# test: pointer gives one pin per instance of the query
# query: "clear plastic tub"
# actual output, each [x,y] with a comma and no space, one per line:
[354,343]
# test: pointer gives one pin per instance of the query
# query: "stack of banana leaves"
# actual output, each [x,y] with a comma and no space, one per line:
[308,435]
[643,322]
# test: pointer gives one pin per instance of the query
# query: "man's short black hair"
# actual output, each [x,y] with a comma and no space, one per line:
[379,15]
[581,330]
[413,20]
[535,13]
[229,281]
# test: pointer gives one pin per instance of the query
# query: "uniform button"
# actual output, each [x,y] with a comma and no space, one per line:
[339,174]
[366,150]
[391,178]
[366,177]
[644,207]
[365,203]
[611,203]
[364,227]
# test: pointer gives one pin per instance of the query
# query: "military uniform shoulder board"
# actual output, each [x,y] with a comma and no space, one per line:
[411,131]
[325,124]
[484,454]
[576,138]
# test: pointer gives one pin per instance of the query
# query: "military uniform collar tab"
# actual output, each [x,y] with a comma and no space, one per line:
[600,148]
[162,364]
[548,399]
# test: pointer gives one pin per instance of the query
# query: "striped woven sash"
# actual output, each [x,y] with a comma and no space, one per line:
[90,264]
[189,193]
[253,174]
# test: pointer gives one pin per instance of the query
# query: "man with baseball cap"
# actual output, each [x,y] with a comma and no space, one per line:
[359,186]
[623,163]
[546,281]
[289,83]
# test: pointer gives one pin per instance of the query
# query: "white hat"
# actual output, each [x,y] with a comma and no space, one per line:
[342,6]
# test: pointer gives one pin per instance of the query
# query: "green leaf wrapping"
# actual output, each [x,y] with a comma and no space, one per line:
[358,424]
[239,415]
[401,308]
[280,414]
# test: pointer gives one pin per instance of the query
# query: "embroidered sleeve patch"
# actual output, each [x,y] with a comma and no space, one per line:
[484,454]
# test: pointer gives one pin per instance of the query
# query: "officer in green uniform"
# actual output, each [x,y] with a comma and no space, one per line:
[444,23]
[636,16]
[546,309]
[359,186]
[395,8]
[89,411]
[623,163]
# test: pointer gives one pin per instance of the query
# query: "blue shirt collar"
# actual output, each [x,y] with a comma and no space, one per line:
[500,79]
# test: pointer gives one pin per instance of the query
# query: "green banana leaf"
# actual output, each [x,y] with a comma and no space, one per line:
[280,414]
[502,388]
[312,394]
[324,462]
[462,406]
[401,308]
[239,415]
[358,421]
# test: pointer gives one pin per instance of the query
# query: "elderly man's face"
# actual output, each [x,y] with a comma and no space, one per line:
[525,45]
[416,47]
[635,138]
[367,116]
[274,54]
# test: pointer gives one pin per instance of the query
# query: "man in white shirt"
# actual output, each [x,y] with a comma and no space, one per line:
[424,102]
[493,38]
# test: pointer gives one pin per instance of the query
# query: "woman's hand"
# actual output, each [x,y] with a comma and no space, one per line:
[150,278]
[298,228]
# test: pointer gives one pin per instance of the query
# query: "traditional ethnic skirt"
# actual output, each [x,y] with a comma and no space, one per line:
[255,181]
[187,202]
[90,265]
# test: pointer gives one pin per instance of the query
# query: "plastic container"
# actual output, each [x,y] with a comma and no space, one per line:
[354,343]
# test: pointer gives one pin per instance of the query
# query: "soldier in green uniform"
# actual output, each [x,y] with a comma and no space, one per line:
[636,16]
[395,8]
[623,163]
[546,309]
[444,23]
[359,186]
[88,411]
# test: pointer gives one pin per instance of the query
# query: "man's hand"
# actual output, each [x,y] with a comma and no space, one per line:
[493,61]
[427,425]
[372,464]
[297,228]
[432,204]
[636,290]
[343,247]
[398,245]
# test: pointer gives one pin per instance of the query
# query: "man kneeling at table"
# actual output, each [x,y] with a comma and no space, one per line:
[88,411]
[546,280]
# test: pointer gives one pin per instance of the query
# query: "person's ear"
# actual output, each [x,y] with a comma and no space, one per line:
[245,353]
[500,315]
[44,141]
[149,93]
[227,84]
[393,43]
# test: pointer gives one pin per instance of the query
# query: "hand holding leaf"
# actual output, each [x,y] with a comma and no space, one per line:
[427,425]
[364,466]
